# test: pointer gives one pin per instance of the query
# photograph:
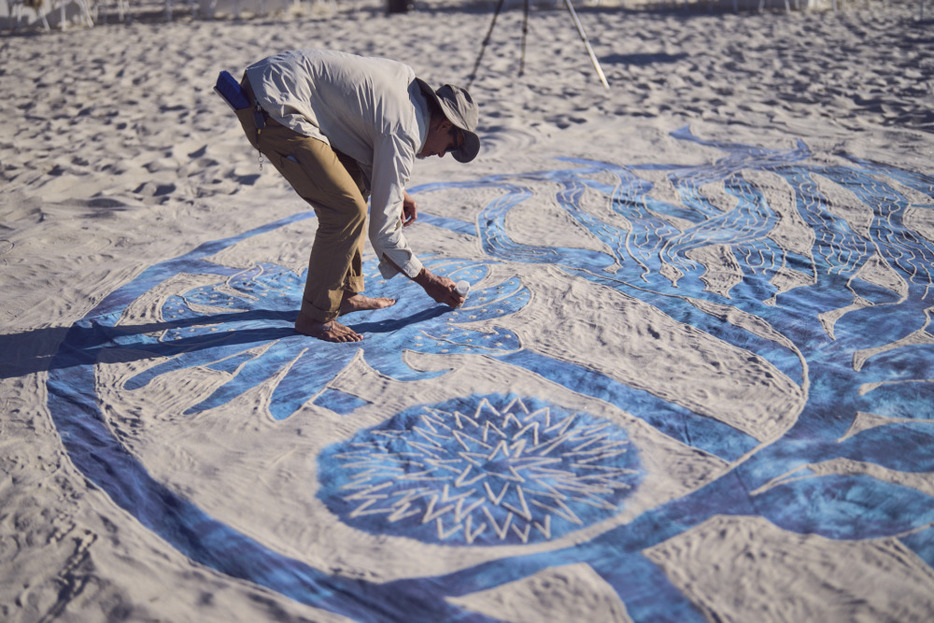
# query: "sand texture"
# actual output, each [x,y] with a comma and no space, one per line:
[693,379]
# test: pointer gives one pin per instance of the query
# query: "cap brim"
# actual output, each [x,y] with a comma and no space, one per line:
[469,150]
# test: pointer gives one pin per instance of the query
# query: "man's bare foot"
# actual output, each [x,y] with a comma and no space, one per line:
[358,302]
[332,331]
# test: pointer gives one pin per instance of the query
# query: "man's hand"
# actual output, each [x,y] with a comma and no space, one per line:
[441,289]
[409,210]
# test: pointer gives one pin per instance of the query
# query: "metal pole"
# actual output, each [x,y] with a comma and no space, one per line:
[580,31]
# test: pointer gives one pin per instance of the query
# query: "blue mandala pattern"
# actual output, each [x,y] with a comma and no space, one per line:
[848,319]
[484,470]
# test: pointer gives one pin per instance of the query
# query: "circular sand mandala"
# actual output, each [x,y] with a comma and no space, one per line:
[481,470]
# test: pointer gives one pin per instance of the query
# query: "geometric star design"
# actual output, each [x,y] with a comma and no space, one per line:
[481,470]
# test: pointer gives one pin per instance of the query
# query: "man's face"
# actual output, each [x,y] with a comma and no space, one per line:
[443,137]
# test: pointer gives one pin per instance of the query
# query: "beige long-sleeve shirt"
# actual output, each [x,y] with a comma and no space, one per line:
[368,108]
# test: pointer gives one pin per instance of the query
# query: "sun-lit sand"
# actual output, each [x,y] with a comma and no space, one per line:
[116,156]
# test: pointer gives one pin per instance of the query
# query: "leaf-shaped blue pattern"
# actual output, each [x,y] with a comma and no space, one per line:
[209,320]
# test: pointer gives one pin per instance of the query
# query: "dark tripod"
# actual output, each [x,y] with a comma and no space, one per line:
[525,32]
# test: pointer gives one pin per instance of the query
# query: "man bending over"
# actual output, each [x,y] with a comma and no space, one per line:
[343,128]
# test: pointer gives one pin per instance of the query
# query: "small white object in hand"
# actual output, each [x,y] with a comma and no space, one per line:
[462,287]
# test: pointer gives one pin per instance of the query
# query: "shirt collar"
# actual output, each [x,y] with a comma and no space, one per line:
[422,114]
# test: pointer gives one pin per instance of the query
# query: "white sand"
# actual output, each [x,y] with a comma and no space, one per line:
[115,155]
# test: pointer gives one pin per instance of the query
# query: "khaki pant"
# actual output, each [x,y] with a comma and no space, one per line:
[336,188]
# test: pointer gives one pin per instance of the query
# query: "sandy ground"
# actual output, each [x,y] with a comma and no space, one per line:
[115,155]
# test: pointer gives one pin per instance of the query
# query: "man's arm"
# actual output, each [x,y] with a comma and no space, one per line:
[438,287]
[392,159]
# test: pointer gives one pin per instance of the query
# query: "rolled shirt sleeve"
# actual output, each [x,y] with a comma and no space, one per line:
[393,156]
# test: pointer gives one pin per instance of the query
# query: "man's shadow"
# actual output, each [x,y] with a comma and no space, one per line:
[56,348]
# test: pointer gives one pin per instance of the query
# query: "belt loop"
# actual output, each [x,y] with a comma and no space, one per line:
[259,117]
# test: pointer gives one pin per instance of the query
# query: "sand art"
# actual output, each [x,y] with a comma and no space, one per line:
[691,381]
[503,466]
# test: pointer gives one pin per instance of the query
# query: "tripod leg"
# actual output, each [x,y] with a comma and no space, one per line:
[486,41]
[525,32]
